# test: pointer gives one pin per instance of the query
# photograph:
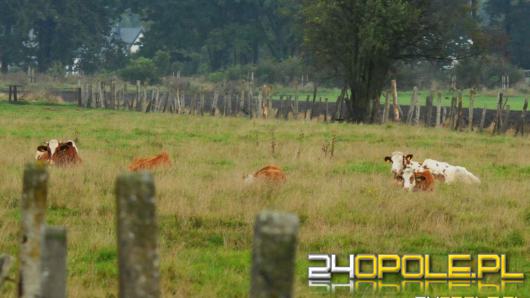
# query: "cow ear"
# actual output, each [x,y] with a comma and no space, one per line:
[42,148]
[409,157]
[388,159]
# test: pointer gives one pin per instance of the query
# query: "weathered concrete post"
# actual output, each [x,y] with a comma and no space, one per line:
[6,262]
[34,196]
[138,259]
[53,276]
[273,254]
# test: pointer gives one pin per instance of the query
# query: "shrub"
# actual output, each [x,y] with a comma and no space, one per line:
[140,69]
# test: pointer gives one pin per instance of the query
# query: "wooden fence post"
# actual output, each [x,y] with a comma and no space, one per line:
[522,121]
[506,121]
[395,100]
[327,110]
[54,262]
[79,97]
[138,260]
[471,109]
[498,116]
[386,108]
[10,93]
[412,106]
[273,254]
[459,113]
[428,115]
[439,109]
[482,120]
[34,197]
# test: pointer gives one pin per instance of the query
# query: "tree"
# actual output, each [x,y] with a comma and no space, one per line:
[66,29]
[13,30]
[510,19]
[215,34]
[358,41]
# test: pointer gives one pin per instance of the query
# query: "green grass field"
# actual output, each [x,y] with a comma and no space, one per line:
[347,204]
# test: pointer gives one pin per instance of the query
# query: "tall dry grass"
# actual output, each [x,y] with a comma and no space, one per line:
[347,204]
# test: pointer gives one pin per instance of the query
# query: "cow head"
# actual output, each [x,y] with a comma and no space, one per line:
[53,145]
[399,161]
[42,153]
[249,178]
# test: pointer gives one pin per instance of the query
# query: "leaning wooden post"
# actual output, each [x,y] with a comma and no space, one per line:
[412,106]
[34,196]
[79,97]
[471,109]
[53,262]
[482,120]
[522,121]
[385,109]
[506,121]
[395,100]
[138,261]
[439,110]
[273,254]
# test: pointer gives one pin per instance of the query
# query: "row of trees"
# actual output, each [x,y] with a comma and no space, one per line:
[356,44]
[202,36]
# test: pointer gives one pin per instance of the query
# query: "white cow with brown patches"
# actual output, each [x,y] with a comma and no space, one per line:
[449,173]
[399,162]
[439,170]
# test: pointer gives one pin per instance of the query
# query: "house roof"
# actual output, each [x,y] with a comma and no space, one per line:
[130,34]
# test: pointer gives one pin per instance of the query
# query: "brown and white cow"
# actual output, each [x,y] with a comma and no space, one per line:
[449,173]
[440,170]
[399,161]
[269,173]
[417,179]
[58,153]
[149,163]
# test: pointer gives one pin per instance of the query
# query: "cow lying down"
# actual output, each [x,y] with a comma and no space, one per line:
[269,173]
[415,176]
[150,163]
[58,153]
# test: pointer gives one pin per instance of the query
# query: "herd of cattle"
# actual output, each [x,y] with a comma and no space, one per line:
[410,174]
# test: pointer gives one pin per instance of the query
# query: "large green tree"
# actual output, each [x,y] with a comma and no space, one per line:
[511,19]
[13,30]
[67,29]
[214,34]
[358,41]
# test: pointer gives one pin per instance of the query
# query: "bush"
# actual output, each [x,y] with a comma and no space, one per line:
[162,60]
[486,71]
[140,69]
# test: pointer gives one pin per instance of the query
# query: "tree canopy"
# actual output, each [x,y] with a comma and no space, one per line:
[358,41]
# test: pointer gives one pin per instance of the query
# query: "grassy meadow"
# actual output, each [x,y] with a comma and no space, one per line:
[346,204]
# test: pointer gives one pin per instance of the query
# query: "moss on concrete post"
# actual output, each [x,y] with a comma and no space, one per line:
[273,255]
[54,262]
[138,258]
[34,196]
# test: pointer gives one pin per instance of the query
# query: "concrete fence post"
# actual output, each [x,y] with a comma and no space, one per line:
[34,197]
[6,262]
[138,259]
[54,254]
[273,254]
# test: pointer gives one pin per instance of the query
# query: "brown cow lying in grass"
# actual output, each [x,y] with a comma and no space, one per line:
[149,163]
[58,153]
[269,173]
